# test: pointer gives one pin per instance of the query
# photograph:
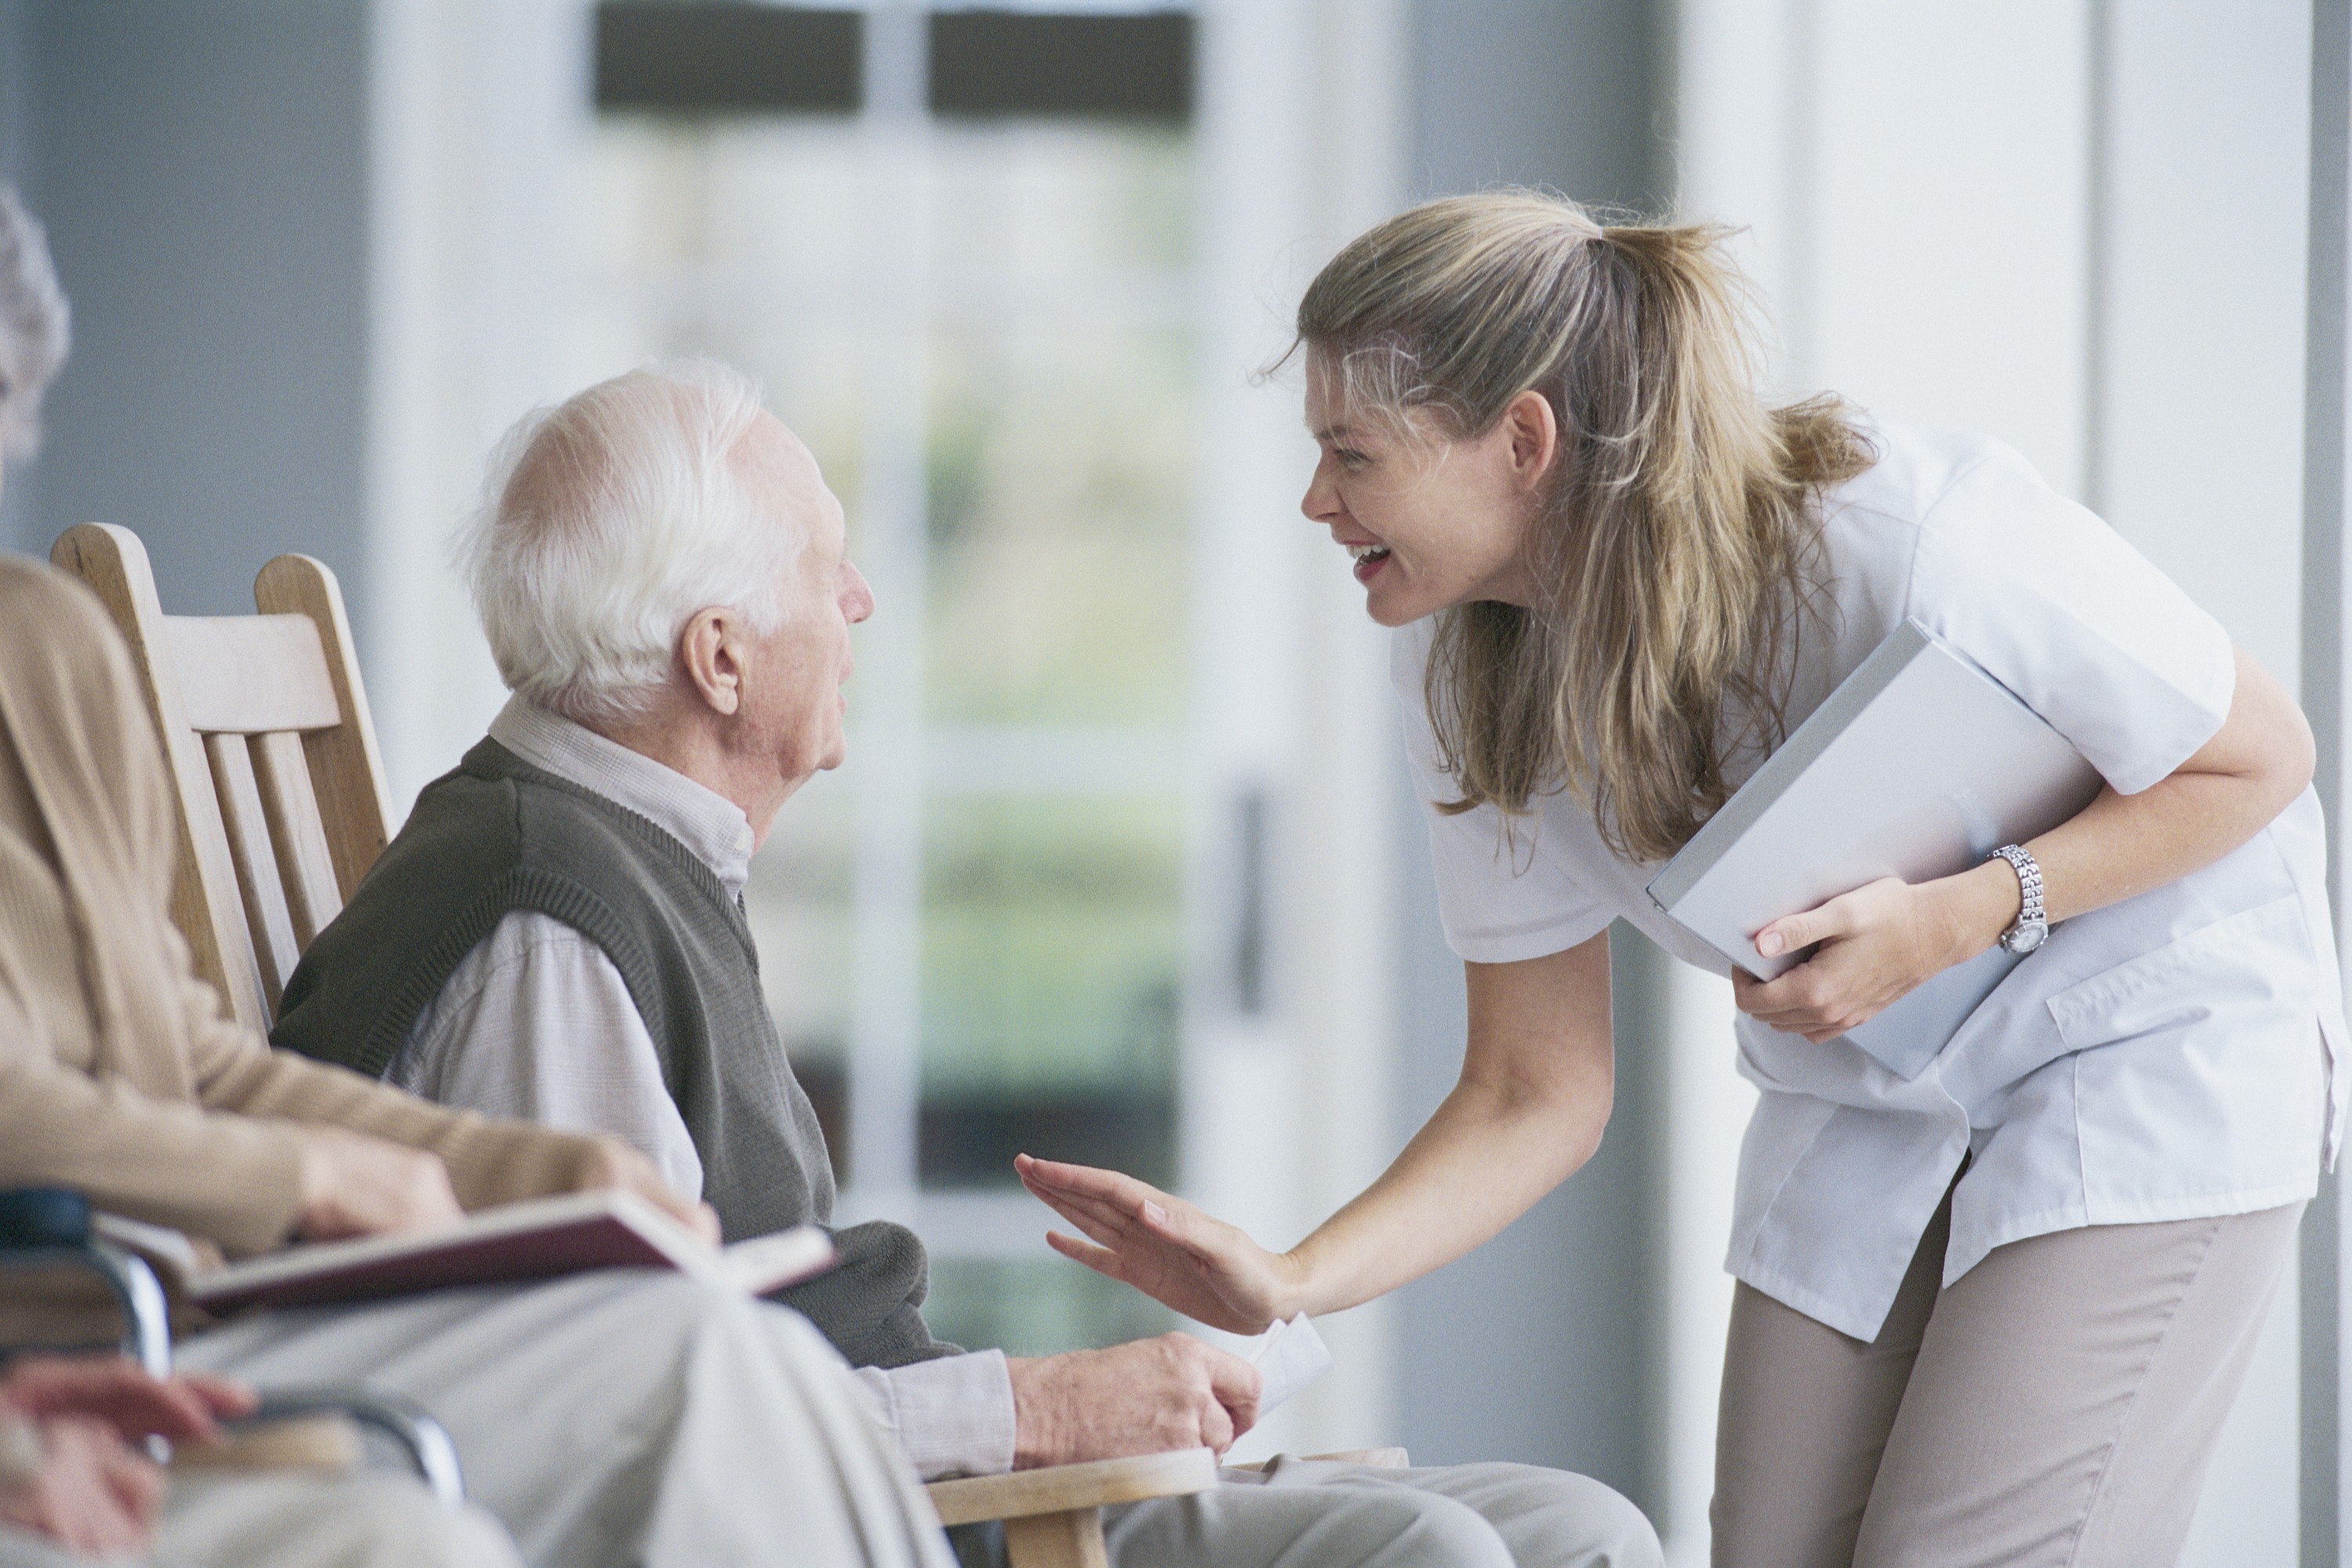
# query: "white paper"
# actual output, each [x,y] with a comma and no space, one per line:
[1288,1356]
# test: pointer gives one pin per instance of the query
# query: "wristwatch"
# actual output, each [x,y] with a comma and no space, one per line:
[2030,927]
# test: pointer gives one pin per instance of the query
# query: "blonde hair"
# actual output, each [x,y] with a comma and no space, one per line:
[1675,543]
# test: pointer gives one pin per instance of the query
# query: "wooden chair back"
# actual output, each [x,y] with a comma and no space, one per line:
[280,790]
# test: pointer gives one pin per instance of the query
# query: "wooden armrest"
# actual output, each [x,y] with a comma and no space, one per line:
[1376,1458]
[1062,1488]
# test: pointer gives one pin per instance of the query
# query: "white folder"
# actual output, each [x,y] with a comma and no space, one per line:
[1918,766]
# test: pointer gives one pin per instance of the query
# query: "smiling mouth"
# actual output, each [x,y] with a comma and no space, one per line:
[1369,559]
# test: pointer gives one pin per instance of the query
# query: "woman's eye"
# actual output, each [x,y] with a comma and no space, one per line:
[1350,458]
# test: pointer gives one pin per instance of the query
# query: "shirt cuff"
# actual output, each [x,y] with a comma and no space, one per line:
[950,1416]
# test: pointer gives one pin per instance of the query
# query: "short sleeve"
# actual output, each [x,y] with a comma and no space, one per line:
[2056,606]
[1502,895]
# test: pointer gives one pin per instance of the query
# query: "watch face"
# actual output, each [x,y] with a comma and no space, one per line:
[2026,937]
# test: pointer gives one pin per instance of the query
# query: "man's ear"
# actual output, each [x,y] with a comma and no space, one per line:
[1534,434]
[710,651]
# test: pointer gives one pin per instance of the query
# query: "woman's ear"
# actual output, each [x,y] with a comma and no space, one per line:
[711,656]
[1534,434]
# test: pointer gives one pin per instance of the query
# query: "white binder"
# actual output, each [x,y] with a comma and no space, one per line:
[1918,766]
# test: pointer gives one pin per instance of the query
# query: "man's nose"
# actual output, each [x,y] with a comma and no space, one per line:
[856,595]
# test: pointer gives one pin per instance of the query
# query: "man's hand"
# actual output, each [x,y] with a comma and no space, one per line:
[1146,1397]
[353,1185]
[613,1164]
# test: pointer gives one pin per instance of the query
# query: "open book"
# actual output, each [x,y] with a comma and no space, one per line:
[1918,766]
[538,1239]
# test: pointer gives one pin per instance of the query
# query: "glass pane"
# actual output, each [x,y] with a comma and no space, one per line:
[799,905]
[1058,466]
[1060,441]
[1053,946]
[737,241]
[1035,211]
[1040,1307]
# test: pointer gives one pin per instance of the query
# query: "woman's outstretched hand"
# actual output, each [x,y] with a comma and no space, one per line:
[1204,1267]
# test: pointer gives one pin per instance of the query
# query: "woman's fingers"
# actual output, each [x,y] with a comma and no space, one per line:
[1109,1228]
[1101,1260]
[1090,1181]
[1073,1204]
[1790,932]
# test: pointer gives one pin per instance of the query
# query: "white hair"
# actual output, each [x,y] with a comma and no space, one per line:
[607,522]
[34,325]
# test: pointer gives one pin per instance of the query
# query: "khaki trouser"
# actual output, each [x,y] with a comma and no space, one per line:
[2056,1405]
[620,1420]
[376,1518]
[1306,1513]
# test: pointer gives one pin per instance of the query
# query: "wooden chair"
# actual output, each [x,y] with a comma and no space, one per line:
[282,808]
[282,803]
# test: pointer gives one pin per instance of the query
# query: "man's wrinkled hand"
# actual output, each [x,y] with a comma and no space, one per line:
[1146,1397]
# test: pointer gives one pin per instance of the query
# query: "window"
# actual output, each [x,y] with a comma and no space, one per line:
[969,285]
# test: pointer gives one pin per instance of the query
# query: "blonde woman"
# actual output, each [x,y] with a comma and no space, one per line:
[1992,1314]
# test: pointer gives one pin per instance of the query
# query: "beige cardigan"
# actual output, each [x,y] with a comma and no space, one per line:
[121,1073]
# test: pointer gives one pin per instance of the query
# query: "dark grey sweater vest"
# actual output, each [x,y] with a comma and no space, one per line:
[497,835]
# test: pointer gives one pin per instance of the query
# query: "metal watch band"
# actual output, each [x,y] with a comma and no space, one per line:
[2029,886]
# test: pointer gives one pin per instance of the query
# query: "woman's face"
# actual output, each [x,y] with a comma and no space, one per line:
[1432,523]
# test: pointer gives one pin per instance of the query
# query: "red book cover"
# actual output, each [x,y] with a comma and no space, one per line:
[540,1240]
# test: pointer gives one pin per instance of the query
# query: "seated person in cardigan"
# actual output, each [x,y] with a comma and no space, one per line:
[557,932]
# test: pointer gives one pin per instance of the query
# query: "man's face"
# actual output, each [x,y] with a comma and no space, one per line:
[792,700]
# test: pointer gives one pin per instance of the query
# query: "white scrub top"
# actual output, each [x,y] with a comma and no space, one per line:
[2172,1057]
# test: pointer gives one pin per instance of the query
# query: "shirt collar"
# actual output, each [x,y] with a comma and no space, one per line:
[698,816]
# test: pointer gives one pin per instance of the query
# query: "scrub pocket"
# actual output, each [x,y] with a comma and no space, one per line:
[2244,968]
[2197,1075]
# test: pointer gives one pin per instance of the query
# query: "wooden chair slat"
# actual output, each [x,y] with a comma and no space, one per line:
[206,904]
[346,769]
[256,858]
[305,864]
[248,675]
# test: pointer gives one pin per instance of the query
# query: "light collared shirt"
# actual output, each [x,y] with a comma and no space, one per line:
[2172,1057]
[537,1023]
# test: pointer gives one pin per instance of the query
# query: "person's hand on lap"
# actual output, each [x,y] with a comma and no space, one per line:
[78,1480]
[185,1409]
[613,1164]
[1146,1397]
[353,1185]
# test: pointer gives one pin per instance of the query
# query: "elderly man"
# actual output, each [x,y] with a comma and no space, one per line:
[557,932]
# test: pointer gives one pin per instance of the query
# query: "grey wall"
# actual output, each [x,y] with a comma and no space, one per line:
[201,165]
[1543,1345]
